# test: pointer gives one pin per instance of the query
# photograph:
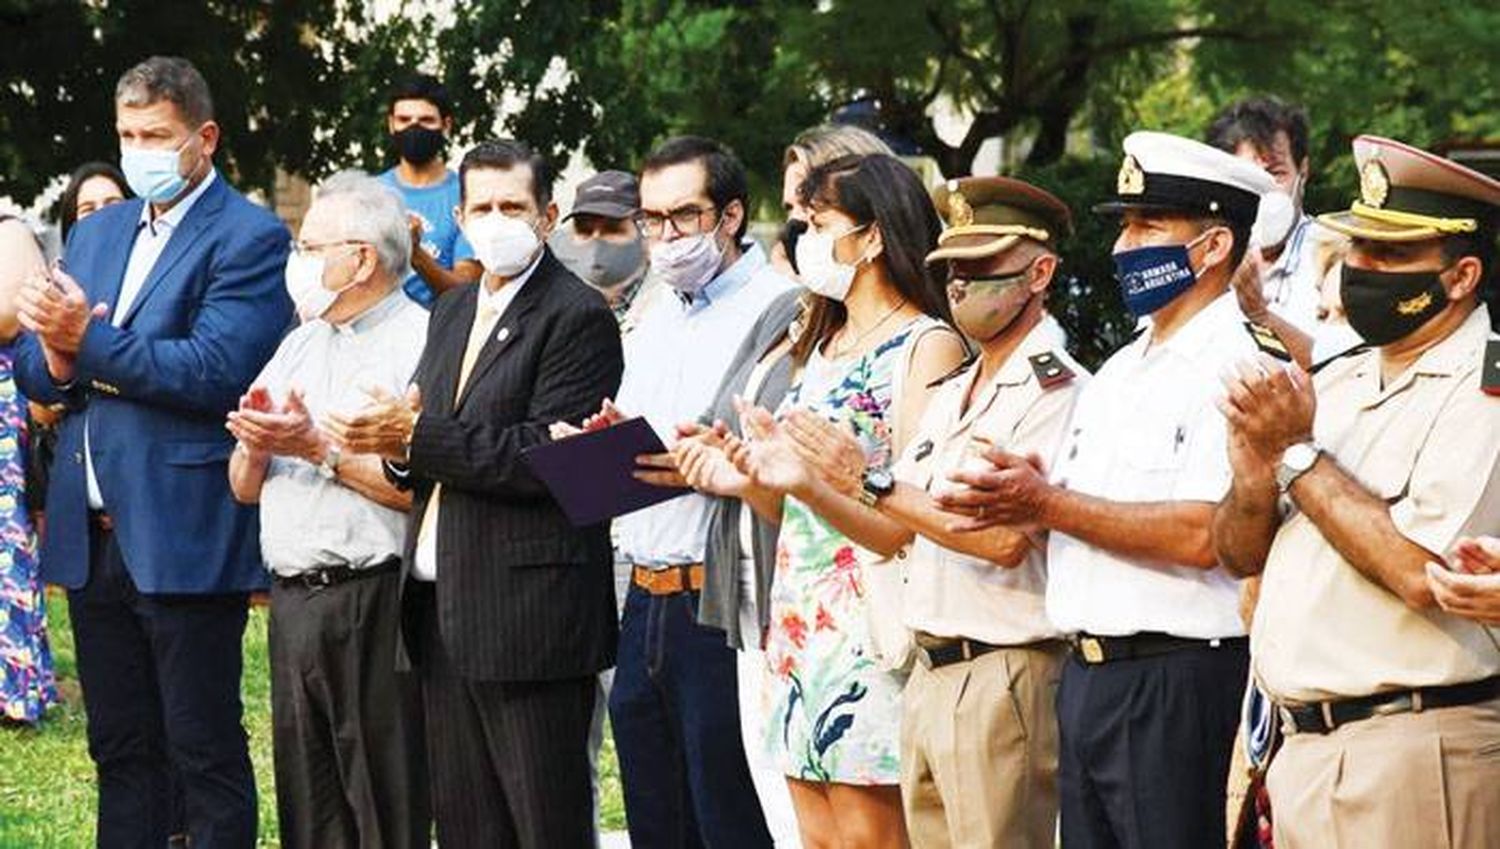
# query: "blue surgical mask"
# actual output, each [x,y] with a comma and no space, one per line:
[1151,277]
[154,174]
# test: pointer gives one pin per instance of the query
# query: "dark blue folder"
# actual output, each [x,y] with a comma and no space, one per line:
[590,475]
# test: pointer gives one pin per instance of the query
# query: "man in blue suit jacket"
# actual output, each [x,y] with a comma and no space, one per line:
[169,307]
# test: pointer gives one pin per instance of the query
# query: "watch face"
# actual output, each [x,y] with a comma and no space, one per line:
[880,480]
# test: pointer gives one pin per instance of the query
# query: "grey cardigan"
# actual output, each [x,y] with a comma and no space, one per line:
[719,605]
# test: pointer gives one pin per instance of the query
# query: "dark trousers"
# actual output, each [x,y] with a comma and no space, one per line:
[674,708]
[509,759]
[1145,748]
[161,685]
[351,766]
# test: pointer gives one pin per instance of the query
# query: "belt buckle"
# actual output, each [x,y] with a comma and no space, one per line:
[1091,649]
[924,657]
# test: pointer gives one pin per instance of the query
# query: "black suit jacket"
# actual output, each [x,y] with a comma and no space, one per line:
[522,595]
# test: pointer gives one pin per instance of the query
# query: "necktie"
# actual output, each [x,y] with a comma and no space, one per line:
[479,333]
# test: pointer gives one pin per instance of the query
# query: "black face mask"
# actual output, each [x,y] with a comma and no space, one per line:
[1384,306]
[790,233]
[419,145]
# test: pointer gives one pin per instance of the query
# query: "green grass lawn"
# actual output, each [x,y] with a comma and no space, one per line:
[47,780]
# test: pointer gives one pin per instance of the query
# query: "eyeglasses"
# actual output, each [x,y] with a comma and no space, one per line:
[686,220]
[317,247]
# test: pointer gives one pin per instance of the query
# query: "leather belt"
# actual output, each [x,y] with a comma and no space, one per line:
[102,521]
[669,580]
[1094,650]
[1324,717]
[329,576]
[937,652]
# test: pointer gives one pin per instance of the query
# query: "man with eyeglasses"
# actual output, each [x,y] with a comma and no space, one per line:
[351,769]
[169,307]
[673,705]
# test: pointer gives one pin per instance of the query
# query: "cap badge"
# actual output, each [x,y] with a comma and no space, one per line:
[960,214]
[1374,184]
[1415,305]
[1131,180]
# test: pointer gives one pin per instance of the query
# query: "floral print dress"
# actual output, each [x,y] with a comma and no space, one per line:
[835,713]
[26,682]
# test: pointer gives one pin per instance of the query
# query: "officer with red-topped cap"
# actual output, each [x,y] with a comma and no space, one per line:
[1348,487]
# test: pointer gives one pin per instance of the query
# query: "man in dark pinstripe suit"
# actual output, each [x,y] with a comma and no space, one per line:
[508,611]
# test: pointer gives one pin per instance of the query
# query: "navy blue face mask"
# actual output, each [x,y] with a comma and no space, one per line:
[1151,277]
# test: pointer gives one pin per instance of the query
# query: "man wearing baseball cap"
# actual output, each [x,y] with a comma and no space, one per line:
[1149,698]
[600,242]
[1390,706]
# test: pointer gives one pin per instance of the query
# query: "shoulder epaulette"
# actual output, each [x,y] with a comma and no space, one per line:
[1050,370]
[1267,341]
[1489,380]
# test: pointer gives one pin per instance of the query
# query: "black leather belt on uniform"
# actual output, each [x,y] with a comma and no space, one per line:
[317,579]
[936,655]
[1324,717]
[1095,650]
[937,652]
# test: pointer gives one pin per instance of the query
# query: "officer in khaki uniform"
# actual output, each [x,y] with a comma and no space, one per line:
[979,729]
[1390,707]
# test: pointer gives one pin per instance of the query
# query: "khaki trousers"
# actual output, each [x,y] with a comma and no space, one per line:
[1428,780]
[979,751]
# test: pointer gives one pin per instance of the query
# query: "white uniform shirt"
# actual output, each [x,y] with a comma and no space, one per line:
[1146,429]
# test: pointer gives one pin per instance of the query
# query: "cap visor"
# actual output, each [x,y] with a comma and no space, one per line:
[979,251]
[1360,227]
[603,210]
[1120,207]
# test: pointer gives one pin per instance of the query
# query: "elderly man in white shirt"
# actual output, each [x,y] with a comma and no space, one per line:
[350,764]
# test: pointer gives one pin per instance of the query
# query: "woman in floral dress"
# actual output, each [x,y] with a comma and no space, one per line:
[876,336]
[26,683]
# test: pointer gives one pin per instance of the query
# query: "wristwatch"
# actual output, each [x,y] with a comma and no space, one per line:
[1295,461]
[875,484]
[329,468]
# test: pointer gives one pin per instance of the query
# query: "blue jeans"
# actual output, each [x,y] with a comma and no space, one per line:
[675,712]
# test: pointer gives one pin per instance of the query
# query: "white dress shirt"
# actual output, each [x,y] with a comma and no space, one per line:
[308,522]
[152,235]
[675,359]
[492,304]
[1146,429]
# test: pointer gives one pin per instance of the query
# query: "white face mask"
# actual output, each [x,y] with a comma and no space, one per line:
[505,246]
[304,282]
[1274,219]
[688,263]
[819,271]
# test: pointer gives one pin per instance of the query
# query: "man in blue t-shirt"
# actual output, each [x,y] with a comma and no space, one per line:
[419,123]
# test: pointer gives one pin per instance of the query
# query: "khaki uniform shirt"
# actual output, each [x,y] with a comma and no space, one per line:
[1426,444]
[949,594]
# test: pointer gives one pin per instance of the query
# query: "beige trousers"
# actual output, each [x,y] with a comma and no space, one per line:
[979,752]
[1427,780]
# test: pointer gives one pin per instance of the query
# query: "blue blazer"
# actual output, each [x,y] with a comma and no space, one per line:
[154,392]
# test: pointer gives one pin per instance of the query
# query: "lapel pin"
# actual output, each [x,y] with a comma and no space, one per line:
[503,335]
